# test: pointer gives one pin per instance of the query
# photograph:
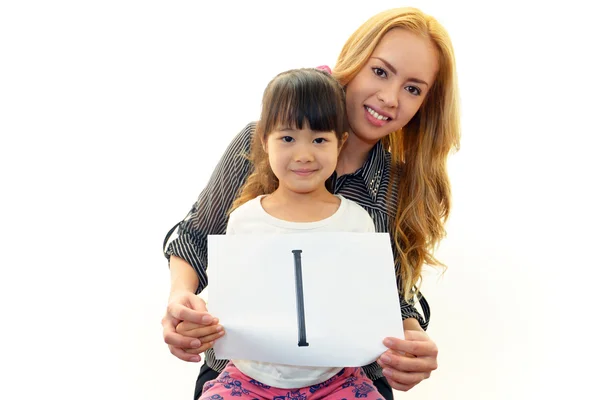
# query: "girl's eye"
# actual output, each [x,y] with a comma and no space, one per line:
[413,90]
[320,140]
[380,72]
[287,139]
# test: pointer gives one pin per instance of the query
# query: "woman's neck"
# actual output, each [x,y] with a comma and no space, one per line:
[353,155]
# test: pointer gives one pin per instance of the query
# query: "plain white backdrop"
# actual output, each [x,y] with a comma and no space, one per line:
[113,115]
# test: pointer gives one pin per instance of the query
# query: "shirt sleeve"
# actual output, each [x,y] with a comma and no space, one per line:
[209,214]
[369,224]
[410,311]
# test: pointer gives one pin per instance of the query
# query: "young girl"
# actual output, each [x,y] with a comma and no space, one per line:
[399,75]
[298,138]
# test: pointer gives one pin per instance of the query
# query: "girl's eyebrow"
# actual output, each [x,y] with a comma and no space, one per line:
[284,128]
[323,132]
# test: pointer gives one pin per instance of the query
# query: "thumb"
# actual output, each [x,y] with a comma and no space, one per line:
[197,303]
[415,335]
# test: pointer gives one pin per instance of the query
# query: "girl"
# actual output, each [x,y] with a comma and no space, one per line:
[398,71]
[296,146]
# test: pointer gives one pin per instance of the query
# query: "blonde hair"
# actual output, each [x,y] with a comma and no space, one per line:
[419,150]
[293,99]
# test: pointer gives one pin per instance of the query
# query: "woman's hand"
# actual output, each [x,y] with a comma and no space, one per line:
[185,306]
[409,361]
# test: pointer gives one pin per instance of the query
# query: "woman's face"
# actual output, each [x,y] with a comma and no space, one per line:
[389,89]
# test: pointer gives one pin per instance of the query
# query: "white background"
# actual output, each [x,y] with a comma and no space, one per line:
[114,113]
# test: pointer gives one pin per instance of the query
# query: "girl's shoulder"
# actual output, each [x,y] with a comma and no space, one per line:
[352,208]
[355,214]
[249,208]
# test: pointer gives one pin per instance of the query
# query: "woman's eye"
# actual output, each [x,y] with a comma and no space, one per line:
[319,140]
[413,90]
[380,72]
[287,139]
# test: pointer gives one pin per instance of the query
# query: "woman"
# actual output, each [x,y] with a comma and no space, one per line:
[398,71]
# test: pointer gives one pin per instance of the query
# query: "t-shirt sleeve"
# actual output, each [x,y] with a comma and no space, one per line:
[369,224]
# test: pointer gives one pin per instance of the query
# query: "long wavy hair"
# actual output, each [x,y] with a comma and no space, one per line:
[419,151]
[296,98]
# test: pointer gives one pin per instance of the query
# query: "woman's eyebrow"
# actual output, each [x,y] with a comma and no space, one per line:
[387,64]
[393,70]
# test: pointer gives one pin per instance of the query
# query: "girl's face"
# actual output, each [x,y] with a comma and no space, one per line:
[389,89]
[302,159]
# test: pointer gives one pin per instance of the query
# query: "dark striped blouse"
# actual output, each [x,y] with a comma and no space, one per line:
[367,186]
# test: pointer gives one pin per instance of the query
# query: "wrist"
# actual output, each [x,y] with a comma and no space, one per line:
[180,291]
[412,324]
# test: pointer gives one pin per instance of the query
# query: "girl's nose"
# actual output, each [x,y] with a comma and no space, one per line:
[303,154]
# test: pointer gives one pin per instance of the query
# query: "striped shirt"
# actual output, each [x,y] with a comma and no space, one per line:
[367,186]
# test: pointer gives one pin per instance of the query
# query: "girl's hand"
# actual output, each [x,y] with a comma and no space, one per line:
[207,334]
[409,361]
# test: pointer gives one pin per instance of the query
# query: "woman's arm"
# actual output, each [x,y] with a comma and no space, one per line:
[209,214]
[188,253]
[409,311]
[412,359]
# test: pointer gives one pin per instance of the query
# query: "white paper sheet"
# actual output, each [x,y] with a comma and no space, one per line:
[349,291]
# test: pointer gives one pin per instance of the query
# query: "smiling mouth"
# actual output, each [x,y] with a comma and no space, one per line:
[303,172]
[376,115]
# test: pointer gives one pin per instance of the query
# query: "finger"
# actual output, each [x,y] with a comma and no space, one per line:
[212,338]
[177,340]
[399,386]
[416,335]
[189,299]
[403,378]
[419,348]
[184,313]
[198,304]
[191,329]
[182,355]
[182,328]
[201,349]
[168,323]
[186,326]
[204,331]
[407,362]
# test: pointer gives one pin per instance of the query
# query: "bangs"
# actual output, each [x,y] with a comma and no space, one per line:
[304,99]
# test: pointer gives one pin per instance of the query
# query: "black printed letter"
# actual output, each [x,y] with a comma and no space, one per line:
[300,299]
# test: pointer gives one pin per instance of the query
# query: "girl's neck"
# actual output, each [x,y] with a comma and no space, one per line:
[300,207]
[353,154]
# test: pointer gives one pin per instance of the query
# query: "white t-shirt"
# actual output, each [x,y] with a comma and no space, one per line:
[251,218]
